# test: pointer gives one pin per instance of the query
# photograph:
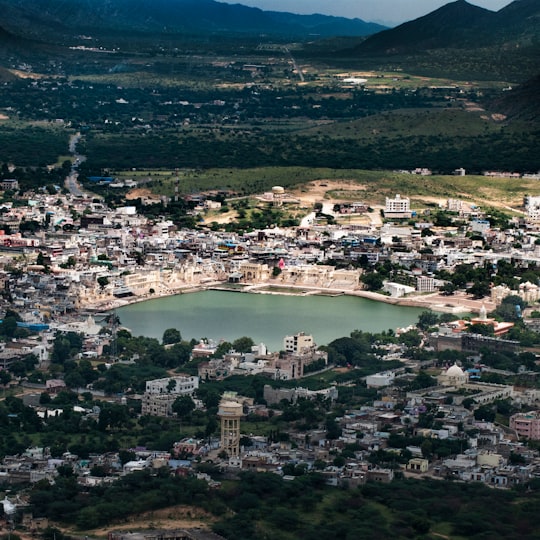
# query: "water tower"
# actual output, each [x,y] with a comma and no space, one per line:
[230,413]
[277,195]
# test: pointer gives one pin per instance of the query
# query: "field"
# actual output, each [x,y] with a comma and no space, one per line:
[332,186]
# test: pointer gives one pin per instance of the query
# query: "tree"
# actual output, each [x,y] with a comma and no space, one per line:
[103,281]
[510,308]
[411,338]
[422,380]
[44,398]
[485,413]
[333,430]
[372,281]
[223,348]
[426,447]
[427,319]
[482,329]
[183,406]
[243,344]
[8,326]
[66,345]
[40,259]
[448,289]
[171,336]
[210,398]
[5,377]
[479,289]
[126,455]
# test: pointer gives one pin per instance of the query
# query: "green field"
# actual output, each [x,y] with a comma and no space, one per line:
[374,186]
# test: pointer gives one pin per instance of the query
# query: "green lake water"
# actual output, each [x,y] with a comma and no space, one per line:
[266,318]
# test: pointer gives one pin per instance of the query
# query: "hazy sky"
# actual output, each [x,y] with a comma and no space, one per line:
[390,11]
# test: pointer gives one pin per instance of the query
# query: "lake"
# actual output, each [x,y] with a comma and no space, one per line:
[266,318]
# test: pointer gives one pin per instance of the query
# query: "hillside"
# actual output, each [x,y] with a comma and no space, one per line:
[12,45]
[450,25]
[458,40]
[522,102]
[58,18]
[460,25]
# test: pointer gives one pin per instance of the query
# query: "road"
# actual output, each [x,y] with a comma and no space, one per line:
[296,67]
[327,208]
[71,182]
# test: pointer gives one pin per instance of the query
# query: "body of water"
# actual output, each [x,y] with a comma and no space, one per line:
[266,318]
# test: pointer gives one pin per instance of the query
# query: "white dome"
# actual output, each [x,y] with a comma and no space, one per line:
[454,371]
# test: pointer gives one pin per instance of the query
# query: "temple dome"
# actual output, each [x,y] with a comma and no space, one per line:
[454,371]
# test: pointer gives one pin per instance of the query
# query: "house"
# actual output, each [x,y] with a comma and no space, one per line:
[418,465]
[526,425]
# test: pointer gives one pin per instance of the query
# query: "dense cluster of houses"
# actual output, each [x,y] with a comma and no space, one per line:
[118,254]
[491,453]
[115,255]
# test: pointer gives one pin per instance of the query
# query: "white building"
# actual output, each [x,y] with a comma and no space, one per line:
[453,376]
[182,385]
[532,206]
[397,290]
[425,284]
[397,207]
[378,380]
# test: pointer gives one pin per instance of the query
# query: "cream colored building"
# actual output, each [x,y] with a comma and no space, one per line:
[418,465]
[298,343]
[254,272]
[453,376]
[230,413]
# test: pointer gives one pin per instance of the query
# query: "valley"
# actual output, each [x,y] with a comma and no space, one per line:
[338,173]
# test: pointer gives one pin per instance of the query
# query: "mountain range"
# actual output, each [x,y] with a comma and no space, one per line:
[57,19]
[460,25]
[502,45]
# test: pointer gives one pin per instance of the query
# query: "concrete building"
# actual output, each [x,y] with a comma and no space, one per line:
[298,343]
[527,425]
[418,465]
[173,385]
[532,206]
[397,207]
[378,380]
[161,394]
[158,404]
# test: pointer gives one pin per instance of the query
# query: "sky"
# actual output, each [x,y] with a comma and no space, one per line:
[383,11]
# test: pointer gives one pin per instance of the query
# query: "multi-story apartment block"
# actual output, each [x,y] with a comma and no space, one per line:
[173,385]
[527,425]
[398,207]
[298,344]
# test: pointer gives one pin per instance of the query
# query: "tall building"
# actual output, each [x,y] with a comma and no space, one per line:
[397,207]
[230,413]
[161,394]
[298,343]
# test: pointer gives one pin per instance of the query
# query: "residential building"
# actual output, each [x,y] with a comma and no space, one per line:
[300,343]
[398,207]
[527,425]
[181,384]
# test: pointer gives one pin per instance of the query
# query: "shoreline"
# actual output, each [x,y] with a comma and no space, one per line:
[458,303]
